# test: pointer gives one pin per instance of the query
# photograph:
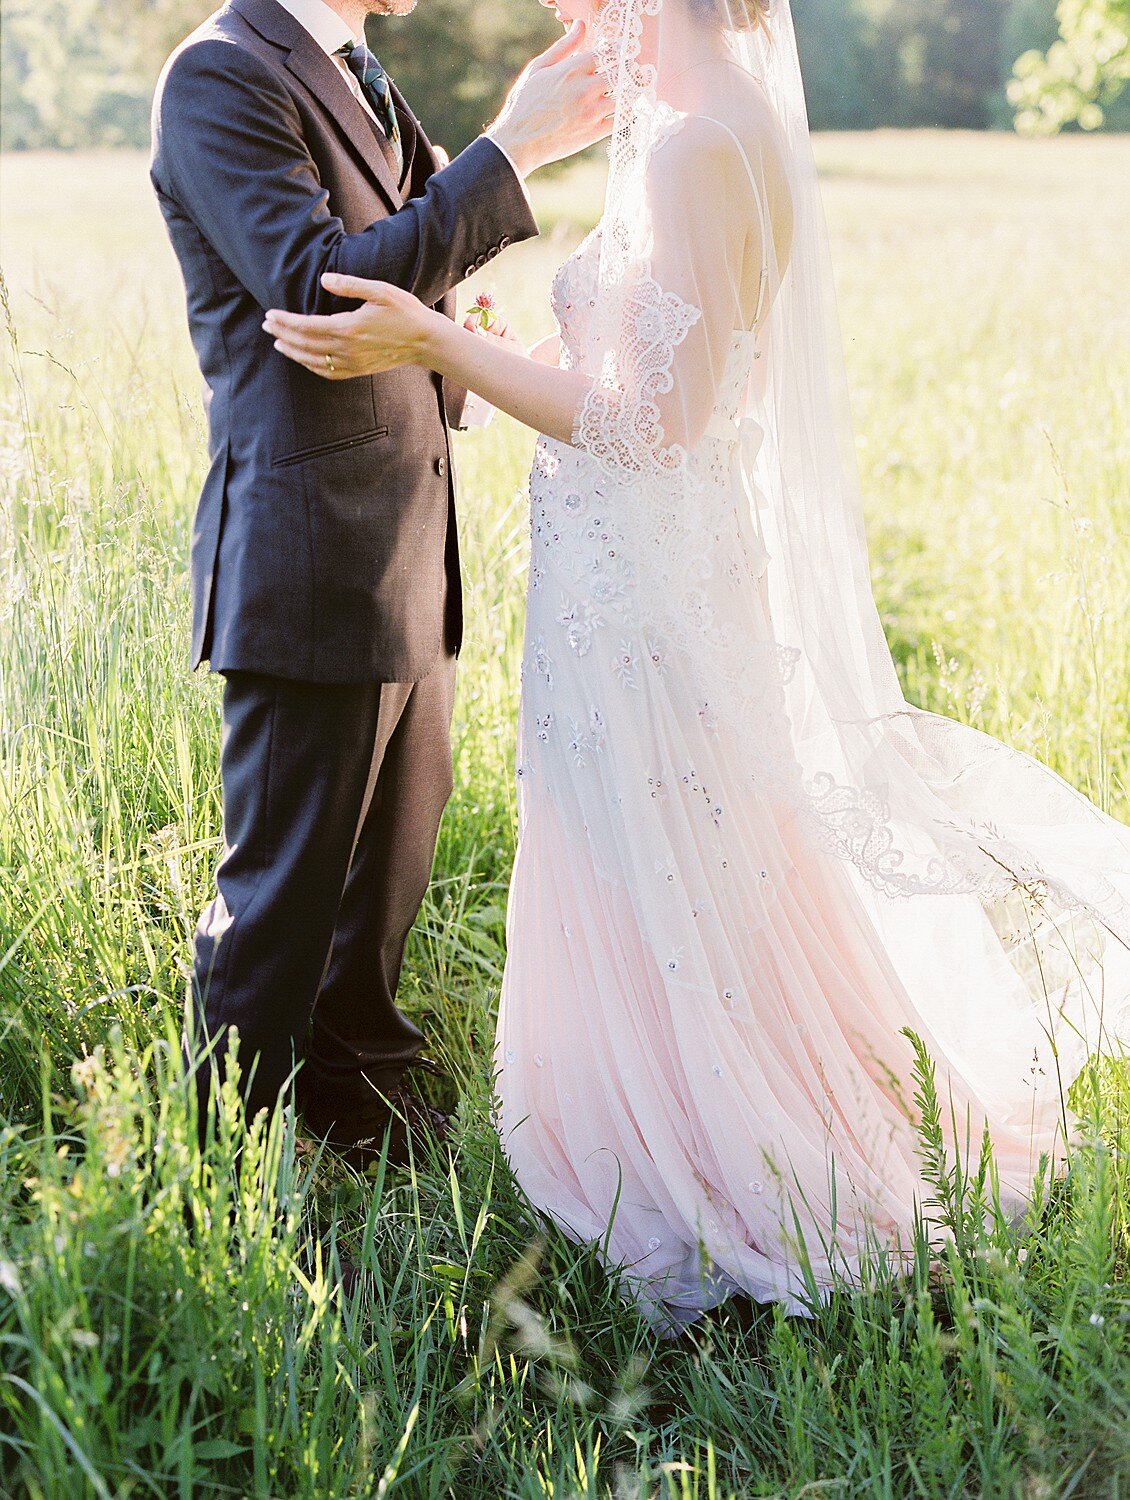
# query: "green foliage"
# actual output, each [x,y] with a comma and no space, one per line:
[70,70]
[455,60]
[1080,75]
[937,64]
[837,44]
[170,1327]
[1030,26]
[866,63]
[490,1359]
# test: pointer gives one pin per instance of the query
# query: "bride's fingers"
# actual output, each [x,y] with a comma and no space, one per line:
[315,363]
[317,345]
[315,349]
[499,329]
[301,357]
[279,320]
[316,336]
[355,286]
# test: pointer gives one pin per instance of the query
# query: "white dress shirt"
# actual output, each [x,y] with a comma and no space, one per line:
[330,32]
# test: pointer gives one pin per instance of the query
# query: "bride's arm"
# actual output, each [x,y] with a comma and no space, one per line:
[547,351]
[667,385]
[393,328]
[539,394]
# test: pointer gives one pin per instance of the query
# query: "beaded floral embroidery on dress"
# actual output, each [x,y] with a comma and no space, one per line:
[701,1010]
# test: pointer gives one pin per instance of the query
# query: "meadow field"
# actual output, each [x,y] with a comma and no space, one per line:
[982,286]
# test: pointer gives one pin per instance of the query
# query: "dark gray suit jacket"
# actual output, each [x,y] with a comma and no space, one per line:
[325,544]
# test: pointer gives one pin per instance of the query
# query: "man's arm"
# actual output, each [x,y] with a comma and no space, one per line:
[228,148]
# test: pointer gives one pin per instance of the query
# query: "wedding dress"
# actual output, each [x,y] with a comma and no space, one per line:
[745,863]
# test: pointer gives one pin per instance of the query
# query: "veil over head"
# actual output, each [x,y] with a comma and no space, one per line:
[715,289]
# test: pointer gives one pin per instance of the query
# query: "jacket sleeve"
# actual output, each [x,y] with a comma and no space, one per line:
[228,148]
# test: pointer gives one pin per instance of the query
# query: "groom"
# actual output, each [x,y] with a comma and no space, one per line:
[325,562]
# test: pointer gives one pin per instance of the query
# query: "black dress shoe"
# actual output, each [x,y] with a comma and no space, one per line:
[352,1277]
[401,1117]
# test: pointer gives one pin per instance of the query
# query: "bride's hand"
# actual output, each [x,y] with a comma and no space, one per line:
[389,329]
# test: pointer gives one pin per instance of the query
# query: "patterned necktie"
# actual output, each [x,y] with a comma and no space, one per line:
[374,85]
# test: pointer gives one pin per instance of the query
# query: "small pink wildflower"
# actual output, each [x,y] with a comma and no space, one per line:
[484,311]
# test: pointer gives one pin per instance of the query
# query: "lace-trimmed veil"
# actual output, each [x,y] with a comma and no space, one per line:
[715,265]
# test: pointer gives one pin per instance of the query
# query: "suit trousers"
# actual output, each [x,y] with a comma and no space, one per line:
[332,798]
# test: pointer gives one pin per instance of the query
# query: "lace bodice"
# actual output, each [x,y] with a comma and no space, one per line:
[669,566]
[573,299]
[653,568]
[722,792]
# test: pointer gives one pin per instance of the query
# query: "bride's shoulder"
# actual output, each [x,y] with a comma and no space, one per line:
[722,144]
[735,117]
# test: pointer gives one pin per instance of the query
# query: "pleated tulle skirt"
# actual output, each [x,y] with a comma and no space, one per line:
[703,1063]
[701,1058]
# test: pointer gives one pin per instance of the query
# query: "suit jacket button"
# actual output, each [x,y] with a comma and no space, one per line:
[441,467]
[492,252]
[480,261]
[503,242]
[468,271]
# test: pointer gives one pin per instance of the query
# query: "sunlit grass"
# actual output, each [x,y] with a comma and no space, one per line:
[982,290]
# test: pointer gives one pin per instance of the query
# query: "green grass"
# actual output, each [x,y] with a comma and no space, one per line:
[982,291]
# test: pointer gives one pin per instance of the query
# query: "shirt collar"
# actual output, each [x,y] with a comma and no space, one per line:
[322,22]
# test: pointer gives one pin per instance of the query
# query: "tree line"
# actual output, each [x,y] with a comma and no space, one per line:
[78,73]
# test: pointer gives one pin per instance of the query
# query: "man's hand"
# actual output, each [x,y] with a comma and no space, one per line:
[559,105]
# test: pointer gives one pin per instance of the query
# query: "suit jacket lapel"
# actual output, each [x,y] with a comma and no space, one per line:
[420,162]
[411,135]
[321,75]
[323,78]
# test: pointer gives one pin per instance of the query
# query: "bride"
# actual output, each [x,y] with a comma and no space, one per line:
[748,870]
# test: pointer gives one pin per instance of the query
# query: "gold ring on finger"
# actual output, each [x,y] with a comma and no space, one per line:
[330,363]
